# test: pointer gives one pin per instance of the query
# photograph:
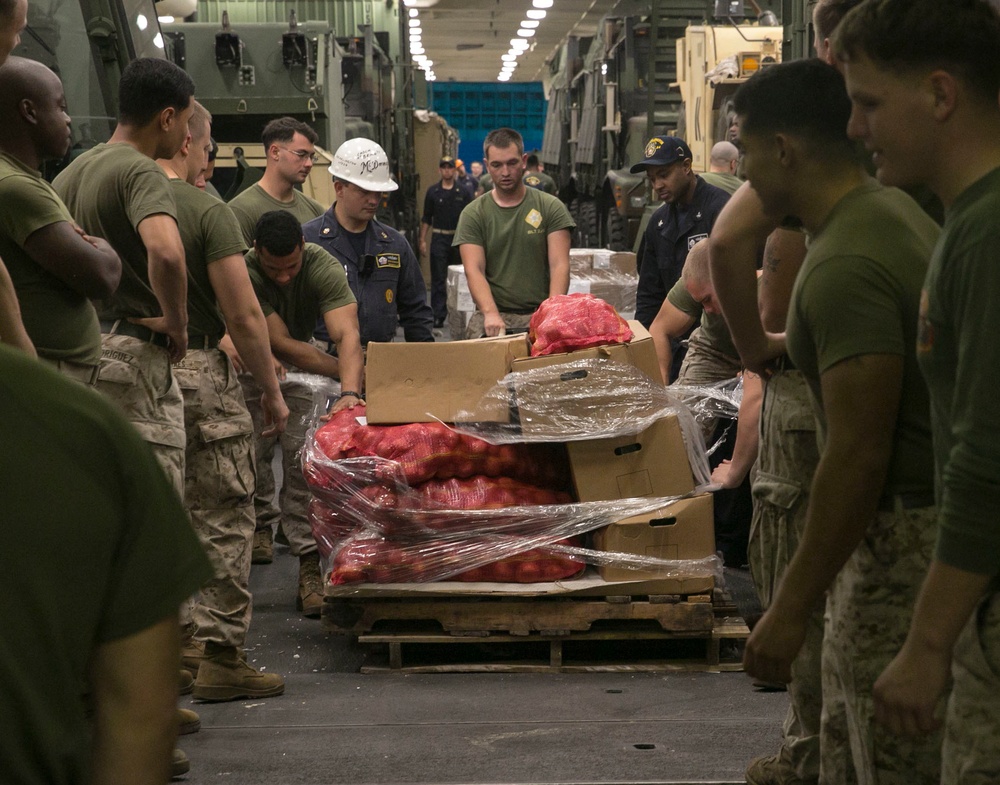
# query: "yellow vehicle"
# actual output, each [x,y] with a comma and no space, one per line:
[712,61]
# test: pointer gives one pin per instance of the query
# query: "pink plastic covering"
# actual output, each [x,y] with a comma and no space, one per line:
[575,321]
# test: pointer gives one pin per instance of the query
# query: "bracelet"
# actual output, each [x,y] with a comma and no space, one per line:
[345,393]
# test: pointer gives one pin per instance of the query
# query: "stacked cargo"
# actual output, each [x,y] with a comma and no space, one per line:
[558,439]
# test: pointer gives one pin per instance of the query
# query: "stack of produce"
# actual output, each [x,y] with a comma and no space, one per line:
[386,496]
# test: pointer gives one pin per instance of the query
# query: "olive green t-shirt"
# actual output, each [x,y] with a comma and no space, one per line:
[515,240]
[858,293]
[541,181]
[320,286]
[250,205]
[724,180]
[209,232]
[77,479]
[110,190]
[959,351]
[714,328]
[61,322]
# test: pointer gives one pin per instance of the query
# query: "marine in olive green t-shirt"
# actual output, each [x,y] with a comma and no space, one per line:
[110,190]
[858,293]
[320,286]
[250,205]
[724,180]
[958,350]
[714,329]
[61,322]
[515,241]
[209,232]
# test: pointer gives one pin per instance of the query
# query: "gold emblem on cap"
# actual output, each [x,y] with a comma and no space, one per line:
[652,146]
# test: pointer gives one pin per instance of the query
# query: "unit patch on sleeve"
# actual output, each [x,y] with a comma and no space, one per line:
[533,218]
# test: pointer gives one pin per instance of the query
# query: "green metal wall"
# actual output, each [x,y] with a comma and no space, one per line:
[343,16]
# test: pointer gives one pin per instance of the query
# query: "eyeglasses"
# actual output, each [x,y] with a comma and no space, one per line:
[301,154]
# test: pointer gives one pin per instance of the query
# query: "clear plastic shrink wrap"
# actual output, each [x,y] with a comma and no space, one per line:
[583,399]
[373,525]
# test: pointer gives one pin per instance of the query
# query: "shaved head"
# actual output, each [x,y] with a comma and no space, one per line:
[723,153]
[32,109]
[696,264]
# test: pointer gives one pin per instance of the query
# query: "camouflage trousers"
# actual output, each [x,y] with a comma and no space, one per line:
[512,321]
[80,372]
[136,375]
[703,366]
[868,615]
[972,723]
[786,464]
[293,501]
[219,492]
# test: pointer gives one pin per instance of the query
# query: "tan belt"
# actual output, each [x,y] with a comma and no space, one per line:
[443,231]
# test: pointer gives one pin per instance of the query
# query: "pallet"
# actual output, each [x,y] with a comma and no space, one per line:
[564,634]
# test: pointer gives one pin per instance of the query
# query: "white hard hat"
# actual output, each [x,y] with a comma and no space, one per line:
[364,163]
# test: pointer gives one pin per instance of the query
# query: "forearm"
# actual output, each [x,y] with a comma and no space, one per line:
[747,430]
[168,280]
[947,599]
[249,335]
[352,363]
[306,357]
[843,501]
[558,278]
[664,352]
[479,288]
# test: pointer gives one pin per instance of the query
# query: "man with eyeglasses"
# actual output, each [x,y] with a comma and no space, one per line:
[290,149]
[382,269]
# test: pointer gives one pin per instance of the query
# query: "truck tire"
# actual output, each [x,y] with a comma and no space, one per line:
[615,230]
[588,224]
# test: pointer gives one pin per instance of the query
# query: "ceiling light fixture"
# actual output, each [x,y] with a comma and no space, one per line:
[529,25]
[524,32]
[519,44]
[542,3]
[535,13]
[509,58]
[414,23]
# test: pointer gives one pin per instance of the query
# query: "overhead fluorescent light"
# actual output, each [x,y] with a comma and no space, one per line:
[535,13]
[542,3]
[519,43]
[524,32]
[414,23]
[529,25]
[414,13]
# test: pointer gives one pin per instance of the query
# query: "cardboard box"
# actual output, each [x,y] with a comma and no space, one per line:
[581,261]
[653,462]
[684,530]
[617,261]
[459,298]
[639,352]
[421,382]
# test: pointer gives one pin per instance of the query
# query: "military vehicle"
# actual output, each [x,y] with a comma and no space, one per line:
[346,71]
[610,92]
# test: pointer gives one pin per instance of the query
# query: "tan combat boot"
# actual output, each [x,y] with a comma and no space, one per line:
[180,765]
[310,598]
[192,654]
[225,676]
[185,682]
[187,722]
[774,770]
[263,547]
